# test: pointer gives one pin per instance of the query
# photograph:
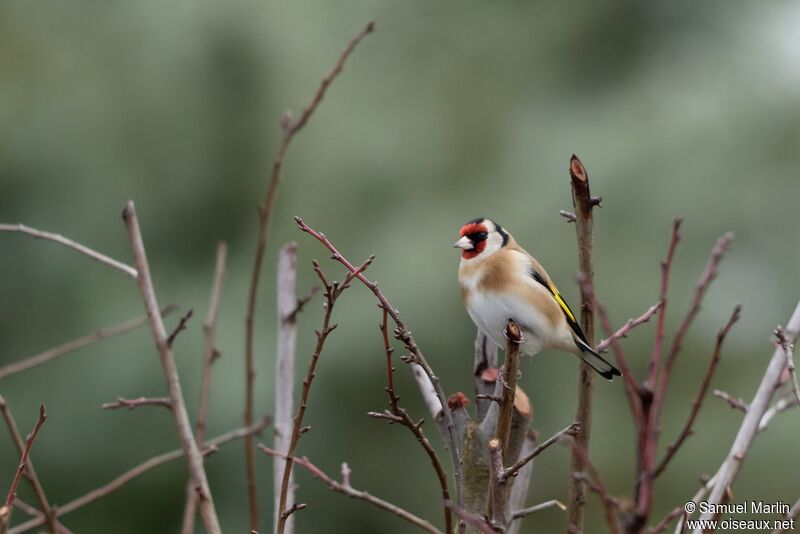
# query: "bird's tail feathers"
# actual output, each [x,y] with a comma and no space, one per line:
[595,361]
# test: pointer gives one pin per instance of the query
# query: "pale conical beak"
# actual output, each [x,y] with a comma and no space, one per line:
[464,243]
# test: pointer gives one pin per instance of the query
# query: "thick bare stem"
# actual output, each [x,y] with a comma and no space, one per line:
[284,374]
[583,202]
[178,406]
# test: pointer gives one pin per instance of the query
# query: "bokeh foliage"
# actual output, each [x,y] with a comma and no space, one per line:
[449,111]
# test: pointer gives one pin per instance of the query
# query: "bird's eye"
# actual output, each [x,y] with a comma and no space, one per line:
[477,236]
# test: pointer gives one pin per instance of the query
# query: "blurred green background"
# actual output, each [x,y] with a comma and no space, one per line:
[451,110]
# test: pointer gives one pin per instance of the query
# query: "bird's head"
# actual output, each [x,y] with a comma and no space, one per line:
[481,237]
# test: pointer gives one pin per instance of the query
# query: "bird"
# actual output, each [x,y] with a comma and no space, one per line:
[501,281]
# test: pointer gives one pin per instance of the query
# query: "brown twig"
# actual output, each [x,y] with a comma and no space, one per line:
[6,509]
[596,484]
[662,525]
[178,406]
[60,239]
[583,202]
[512,470]
[648,432]
[345,488]
[140,469]
[404,334]
[666,266]
[509,376]
[481,522]
[788,350]
[331,291]
[749,427]
[210,354]
[627,327]
[135,403]
[30,472]
[498,489]
[698,401]
[519,514]
[289,129]
[66,348]
[181,326]
[631,389]
[400,415]
[736,404]
[485,359]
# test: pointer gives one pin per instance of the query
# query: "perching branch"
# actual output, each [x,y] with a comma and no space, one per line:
[30,472]
[210,354]
[332,292]
[66,348]
[403,334]
[6,509]
[758,406]
[289,128]
[400,415]
[345,488]
[698,401]
[178,406]
[140,469]
[60,239]
[583,202]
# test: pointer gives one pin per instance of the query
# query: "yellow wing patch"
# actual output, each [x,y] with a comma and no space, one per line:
[560,301]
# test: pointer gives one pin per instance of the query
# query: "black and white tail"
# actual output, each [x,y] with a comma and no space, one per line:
[595,361]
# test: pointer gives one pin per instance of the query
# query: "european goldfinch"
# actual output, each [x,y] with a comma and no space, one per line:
[500,281]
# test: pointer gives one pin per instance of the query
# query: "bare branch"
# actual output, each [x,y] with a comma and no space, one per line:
[140,469]
[736,404]
[498,489]
[5,511]
[398,414]
[519,514]
[758,406]
[181,326]
[345,488]
[509,376]
[512,470]
[584,203]
[666,265]
[66,348]
[698,401]
[568,216]
[26,466]
[485,359]
[781,405]
[788,350]
[416,357]
[178,407]
[210,354]
[331,294]
[135,403]
[481,522]
[288,308]
[628,326]
[290,129]
[60,239]
[596,484]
